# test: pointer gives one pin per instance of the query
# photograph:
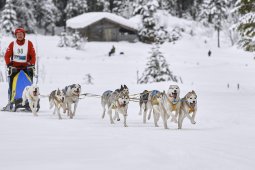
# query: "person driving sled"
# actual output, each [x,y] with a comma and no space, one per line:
[20,55]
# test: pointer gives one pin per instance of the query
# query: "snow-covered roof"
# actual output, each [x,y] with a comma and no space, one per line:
[86,19]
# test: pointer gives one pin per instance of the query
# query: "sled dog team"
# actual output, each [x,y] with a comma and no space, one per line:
[162,104]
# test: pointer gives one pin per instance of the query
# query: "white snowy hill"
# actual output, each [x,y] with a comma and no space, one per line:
[223,137]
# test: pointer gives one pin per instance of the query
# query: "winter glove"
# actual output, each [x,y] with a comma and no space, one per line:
[10,64]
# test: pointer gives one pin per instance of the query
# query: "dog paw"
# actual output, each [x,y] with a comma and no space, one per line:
[125,125]
[193,122]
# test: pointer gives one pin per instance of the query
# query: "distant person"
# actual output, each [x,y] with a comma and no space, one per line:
[112,51]
[209,53]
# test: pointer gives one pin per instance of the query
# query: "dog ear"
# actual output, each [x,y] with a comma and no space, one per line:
[121,87]
[125,86]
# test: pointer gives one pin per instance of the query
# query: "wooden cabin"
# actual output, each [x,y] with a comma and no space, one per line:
[103,26]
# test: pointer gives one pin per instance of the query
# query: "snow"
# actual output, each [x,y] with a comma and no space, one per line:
[87,19]
[223,137]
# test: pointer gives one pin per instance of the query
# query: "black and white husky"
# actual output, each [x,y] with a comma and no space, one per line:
[118,101]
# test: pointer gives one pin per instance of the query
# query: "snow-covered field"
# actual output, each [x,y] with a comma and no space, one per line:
[223,137]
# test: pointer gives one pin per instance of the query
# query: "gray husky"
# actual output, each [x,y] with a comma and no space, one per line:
[72,94]
[57,99]
[118,101]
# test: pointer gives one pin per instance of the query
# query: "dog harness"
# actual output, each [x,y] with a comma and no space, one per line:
[191,109]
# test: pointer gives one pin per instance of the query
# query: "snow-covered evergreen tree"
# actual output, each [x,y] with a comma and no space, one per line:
[195,9]
[157,69]
[138,7]
[61,5]
[26,15]
[75,7]
[8,20]
[219,14]
[214,12]
[246,24]
[204,15]
[46,14]
[151,31]
[98,5]
[105,4]
[121,7]
[170,6]
[227,26]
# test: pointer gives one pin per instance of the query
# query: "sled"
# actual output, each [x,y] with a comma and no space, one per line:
[19,82]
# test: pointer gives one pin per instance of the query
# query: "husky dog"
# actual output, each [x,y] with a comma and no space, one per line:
[72,94]
[57,99]
[123,89]
[156,104]
[31,93]
[144,104]
[118,101]
[172,102]
[152,101]
[188,106]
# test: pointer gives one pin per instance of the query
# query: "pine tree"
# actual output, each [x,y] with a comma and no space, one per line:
[2,4]
[218,13]
[8,18]
[246,24]
[97,5]
[75,7]
[170,6]
[25,12]
[147,34]
[195,9]
[138,7]
[121,7]
[46,14]
[106,5]
[157,69]
[214,12]
[204,15]
[61,5]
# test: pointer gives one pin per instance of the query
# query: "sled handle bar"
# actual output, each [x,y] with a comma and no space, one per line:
[11,68]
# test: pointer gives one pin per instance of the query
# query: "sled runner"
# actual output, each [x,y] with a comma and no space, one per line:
[18,80]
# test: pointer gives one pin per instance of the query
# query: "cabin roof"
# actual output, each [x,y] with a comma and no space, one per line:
[87,19]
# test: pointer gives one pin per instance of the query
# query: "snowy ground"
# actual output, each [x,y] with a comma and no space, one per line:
[223,137]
